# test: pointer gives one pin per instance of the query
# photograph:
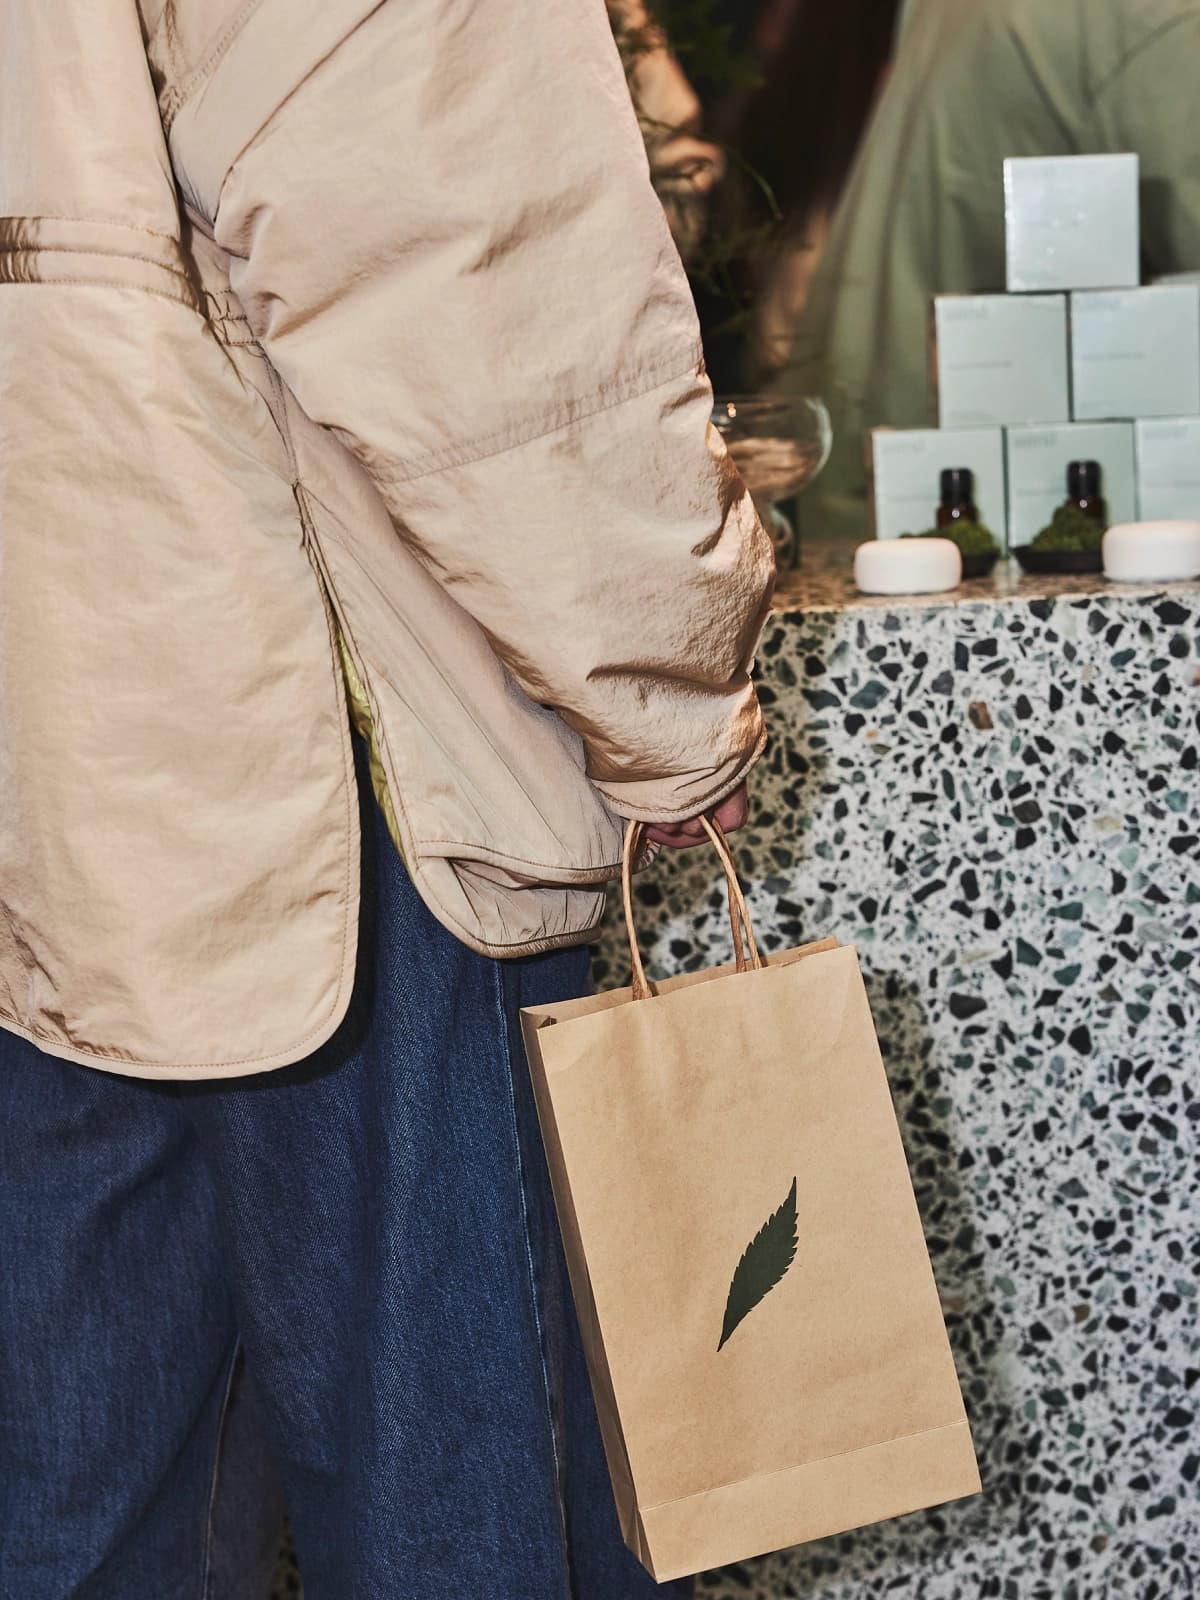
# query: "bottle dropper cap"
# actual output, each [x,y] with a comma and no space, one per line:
[1083,480]
[958,484]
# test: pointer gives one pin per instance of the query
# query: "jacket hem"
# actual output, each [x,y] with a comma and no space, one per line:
[515,949]
[129,1067]
[270,1060]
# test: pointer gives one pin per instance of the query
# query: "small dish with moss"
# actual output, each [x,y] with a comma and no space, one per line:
[1071,541]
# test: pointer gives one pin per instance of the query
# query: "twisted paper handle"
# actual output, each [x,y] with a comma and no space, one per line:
[739,915]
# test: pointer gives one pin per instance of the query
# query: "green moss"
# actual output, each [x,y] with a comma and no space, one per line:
[1070,529]
[972,538]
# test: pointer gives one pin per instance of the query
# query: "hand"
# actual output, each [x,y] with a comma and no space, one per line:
[730,814]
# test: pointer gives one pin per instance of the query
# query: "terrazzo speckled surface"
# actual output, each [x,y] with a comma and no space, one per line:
[996,797]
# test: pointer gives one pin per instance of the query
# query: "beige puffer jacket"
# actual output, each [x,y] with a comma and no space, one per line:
[324,316]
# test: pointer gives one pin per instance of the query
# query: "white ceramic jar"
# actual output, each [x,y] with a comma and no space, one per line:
[907,566]
[1152,552]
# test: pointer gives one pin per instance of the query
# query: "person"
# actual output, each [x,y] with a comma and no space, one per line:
[823,67]
[684,166]
[974,81]
[349,375]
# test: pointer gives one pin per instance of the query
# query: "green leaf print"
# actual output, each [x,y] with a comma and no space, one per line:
[765,1260]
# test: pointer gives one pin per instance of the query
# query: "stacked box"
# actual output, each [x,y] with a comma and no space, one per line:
[905,466]
[1136,353]
[1168,468]
[1059,390]
[1071,222]
[1037,472]
[1001,359]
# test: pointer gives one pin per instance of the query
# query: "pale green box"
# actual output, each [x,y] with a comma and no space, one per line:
[1168,468]
[1136,352]
[1037,472]
[1001,360]
[904,466]
[1071,222]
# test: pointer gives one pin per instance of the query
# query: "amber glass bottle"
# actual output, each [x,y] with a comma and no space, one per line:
[1083,490]
[958,487]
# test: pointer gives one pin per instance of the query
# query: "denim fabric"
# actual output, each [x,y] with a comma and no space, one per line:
[373,1227]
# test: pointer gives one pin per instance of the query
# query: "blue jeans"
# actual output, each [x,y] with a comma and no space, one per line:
[368,1238]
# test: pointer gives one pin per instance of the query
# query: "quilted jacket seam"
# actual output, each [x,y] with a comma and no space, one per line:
[177,95]
[181,298]
[605,398]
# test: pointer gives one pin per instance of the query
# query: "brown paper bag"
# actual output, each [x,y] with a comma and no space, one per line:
[761,1322]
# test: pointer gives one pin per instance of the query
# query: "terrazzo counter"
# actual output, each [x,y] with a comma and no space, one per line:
[996,796]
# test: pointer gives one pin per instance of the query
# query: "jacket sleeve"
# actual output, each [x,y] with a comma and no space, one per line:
[443,233]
